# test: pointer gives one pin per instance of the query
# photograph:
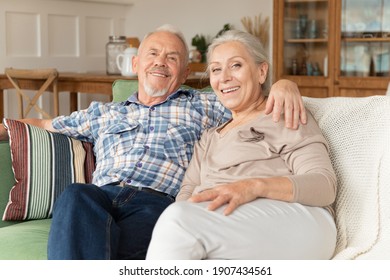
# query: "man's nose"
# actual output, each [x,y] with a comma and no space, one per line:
[160,61]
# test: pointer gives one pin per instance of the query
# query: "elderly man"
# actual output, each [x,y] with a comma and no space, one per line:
[142,147]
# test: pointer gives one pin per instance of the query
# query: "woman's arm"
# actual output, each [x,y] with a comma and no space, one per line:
[312,180]
[192,175]
[314,183]
[244,191]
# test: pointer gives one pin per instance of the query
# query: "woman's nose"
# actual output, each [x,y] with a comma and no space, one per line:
[226,75]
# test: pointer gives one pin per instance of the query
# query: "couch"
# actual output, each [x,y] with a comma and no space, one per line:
[358,132]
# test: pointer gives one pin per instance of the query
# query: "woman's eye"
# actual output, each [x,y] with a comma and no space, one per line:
[236,65]
[215,70]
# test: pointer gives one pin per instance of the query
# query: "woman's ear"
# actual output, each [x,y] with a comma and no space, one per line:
[263,72]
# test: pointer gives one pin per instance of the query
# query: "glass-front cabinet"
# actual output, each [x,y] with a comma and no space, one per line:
[365,38]
[333,47]
[305,37]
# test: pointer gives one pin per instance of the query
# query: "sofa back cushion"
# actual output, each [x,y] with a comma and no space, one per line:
[122,89]
[358,132]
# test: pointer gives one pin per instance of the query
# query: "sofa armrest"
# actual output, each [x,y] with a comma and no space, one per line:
[7,179]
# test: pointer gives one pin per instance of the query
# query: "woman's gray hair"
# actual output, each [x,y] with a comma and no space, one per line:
[251,43]
[175,31]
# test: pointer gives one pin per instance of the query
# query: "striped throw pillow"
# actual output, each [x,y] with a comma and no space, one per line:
[44,164]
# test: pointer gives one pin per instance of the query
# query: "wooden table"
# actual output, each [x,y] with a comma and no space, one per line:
[92,83]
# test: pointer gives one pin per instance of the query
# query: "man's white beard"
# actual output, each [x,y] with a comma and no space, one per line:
[154,92]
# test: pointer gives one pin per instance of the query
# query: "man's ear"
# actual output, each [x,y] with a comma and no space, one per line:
[134,64]
[186,73]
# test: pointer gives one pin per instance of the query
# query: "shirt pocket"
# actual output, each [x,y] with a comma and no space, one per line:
[119,138]
[179,144]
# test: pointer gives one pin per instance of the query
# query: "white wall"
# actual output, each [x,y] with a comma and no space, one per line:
[205,17]
[70,35]
[67,35]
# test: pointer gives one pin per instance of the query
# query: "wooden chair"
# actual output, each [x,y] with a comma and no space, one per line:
[49,79]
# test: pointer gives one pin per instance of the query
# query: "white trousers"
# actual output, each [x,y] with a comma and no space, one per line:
[262,229]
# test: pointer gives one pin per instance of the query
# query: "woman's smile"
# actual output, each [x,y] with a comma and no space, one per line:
[230,90]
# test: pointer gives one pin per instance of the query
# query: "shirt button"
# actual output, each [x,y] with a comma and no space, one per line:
[152,108]
[128,181]
[139,164]
[146,147]
[151,128]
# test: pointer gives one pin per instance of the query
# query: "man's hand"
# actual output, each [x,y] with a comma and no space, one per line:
[285,95]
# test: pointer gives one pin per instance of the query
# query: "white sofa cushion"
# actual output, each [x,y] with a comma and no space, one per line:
[358,132]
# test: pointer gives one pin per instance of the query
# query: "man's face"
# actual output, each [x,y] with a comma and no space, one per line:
[160,66]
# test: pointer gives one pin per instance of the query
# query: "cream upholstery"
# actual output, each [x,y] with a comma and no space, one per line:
[358,132]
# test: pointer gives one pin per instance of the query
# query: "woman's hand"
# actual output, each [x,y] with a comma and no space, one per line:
[285,94]
[233,194]
[244,191]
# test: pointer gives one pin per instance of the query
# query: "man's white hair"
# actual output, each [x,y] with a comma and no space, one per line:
[175,31]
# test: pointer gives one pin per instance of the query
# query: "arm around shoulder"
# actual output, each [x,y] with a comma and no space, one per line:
[285,97]
[42,123]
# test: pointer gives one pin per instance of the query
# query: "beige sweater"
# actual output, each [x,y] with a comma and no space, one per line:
[301,155]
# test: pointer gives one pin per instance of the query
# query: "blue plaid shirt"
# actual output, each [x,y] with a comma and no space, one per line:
[146,146]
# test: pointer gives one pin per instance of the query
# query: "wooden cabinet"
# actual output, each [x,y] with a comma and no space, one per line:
[333,47]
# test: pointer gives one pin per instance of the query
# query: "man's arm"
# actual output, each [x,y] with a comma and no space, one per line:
[42,123]
[285,95]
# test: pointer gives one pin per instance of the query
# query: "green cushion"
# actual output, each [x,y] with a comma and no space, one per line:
[6,179]
[122,89]
[25,241]
[6,174]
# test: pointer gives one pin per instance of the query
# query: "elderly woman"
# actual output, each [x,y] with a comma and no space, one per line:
[254,189]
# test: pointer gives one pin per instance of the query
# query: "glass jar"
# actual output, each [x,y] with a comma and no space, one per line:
[115,46]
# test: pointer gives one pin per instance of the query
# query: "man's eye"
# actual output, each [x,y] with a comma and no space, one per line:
[172,58]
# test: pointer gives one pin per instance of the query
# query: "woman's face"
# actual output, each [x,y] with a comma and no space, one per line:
[235,77]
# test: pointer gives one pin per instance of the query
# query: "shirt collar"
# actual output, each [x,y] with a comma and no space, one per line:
[187,92]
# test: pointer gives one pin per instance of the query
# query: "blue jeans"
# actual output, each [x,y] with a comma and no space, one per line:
[109,222]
